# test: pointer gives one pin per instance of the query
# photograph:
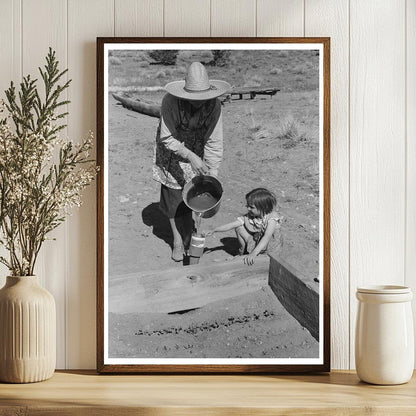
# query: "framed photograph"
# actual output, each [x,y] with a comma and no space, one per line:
[213,198]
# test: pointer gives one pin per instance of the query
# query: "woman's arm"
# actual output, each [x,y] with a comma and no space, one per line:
[213,150]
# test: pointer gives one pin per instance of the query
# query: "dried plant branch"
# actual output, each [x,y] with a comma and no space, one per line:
[36,193]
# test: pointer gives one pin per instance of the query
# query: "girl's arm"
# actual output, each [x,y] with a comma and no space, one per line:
[225,227]
[262,245]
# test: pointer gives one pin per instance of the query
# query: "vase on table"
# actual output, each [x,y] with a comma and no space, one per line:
[37,191]
[27,331]
[384,344]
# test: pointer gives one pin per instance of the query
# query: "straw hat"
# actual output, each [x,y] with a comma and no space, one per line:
[197,86]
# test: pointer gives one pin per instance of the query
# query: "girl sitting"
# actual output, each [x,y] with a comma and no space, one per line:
[258,231]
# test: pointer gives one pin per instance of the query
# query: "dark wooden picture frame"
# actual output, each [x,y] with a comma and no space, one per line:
[294,293]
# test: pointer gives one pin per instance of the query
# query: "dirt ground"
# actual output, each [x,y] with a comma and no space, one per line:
[254,156]
[268,142]
[250,326]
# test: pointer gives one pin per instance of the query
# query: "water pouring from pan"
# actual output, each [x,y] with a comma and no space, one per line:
[203,196]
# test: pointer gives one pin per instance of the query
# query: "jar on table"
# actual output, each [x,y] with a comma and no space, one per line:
[384,343]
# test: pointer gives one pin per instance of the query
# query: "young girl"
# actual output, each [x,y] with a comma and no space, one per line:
[258,231]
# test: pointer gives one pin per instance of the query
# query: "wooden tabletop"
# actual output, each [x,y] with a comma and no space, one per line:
[86,393]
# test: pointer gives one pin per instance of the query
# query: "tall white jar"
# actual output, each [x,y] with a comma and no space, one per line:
[384,343]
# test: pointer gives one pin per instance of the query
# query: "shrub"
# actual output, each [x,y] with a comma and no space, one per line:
[282,54]
[291,132]
[189,56]
[206,54]
[114,60]
[143,64]
[221,57]
[300,69]
[253,81]
[164,57]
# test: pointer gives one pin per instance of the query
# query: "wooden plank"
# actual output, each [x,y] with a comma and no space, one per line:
[233,18]
[138,17]
[187,18]
[250,91]
[153,110]
[331,18]
[377,147]
[298,295]
[280,18]
[185,288]
[256,90]
[411,150]
[139,106]
[44,26]
[10,68]
[86,21]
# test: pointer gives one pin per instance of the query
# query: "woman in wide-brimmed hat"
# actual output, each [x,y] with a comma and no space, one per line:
[188,143]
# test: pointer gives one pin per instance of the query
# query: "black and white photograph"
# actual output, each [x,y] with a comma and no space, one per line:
[212,244]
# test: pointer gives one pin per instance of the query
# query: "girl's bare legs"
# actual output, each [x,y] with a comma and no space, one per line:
[243,237]
[177,252]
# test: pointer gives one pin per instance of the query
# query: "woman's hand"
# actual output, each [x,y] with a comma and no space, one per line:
[197,164]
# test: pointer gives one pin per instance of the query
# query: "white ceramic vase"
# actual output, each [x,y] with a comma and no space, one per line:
[384,343]
[27,331]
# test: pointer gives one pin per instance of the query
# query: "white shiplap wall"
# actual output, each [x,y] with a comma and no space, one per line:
[373,132]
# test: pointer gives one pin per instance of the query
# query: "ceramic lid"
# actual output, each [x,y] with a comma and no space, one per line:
[384,289]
